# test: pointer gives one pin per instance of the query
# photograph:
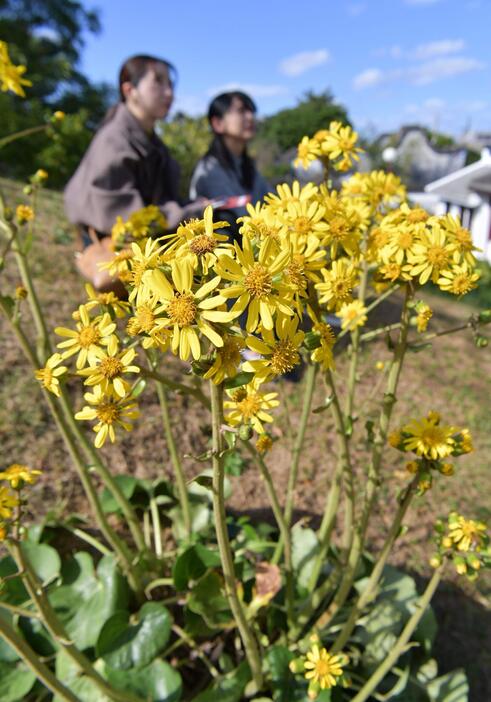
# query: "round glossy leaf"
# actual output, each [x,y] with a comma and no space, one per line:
[157,682]
[126,484]
[125,645]
[15,681]
[229,689]
[43,559]
[192,564]
[7,654]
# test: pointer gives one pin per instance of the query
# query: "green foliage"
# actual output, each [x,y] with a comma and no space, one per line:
[15,681]
[313,112]
[188,139]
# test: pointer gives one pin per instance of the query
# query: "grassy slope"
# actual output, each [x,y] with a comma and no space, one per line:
[453,377]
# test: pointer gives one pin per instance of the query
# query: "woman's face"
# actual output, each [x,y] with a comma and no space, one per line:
[153,94]
[238,122]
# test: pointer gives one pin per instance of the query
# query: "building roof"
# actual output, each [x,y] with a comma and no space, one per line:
[465,186]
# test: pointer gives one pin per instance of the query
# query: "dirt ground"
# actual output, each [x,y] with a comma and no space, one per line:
[452,377]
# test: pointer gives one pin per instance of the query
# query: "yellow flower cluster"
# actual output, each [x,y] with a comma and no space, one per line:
[466,542]
[17,476]
[320,668]
[337,145]
[148,221]
[10,75]
[432,442]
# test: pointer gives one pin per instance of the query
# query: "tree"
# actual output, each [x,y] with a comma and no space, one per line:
[313,112]
[47,37]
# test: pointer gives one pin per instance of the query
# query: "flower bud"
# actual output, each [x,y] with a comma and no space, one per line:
[245,432]
[435,561]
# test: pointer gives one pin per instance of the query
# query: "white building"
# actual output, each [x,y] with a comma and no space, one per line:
[466,193]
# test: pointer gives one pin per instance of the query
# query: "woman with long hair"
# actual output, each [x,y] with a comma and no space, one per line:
[227,174]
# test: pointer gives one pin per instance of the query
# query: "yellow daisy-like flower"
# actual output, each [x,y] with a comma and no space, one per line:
[202,247]
[188,312]
[145,260]
[290,194]
[323,668]
[352,315]
[458,280]
[338,284]
[108,369]
[17,475]
[466,534]
[107,300]
[345,223]
[260,223]
[90,335]
[147,222]
[7,502]
[279,352]
[431,255]
[264,443]
[110,412]
[340,143]
[227,360]
[147,323]
[323,354]
[48,376]
[426,437]
[308,150]
[301,219]
[248,405]
[24,214]
[462,238]
[425,313]
[257,285]
[10,75]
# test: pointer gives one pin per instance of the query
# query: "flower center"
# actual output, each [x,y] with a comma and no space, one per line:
[88,336]
[433,436]
[145,318]
[405,240]
[322,668]
[258,281]
[230,352]
[182,309]
[461,284]
[249,406]
[438,256]
[202,244]
[111,367]
[417,216]
[284,357]
[107,412]
[295,272]
[302,225]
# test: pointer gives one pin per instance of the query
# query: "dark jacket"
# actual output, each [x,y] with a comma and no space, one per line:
[124,169]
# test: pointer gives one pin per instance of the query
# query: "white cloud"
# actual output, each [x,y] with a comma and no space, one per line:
[256,90]
[437,48]
[305,60]
[368,78]
[440,68]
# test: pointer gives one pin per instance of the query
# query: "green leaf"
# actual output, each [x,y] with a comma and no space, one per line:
[305,547]
[12,590]
[238,380]
[426,630]
[16,681]
[36,636]
[286,686]
[229,689]
[157,682]
[123,645]
[234,463]
[192,564]
[207,598]
[452,687]
[43,559]
[85,689]
[7,654]
[200,519]
[127,485]
[89,597]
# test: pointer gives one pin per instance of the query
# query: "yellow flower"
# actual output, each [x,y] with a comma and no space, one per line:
[431,255]
[307,151]
[88,337]
[24,214]
[148,221]
[48,376]
[202,246]
[107,371]
[340,143]
[323,354]
[279,352]
[247,405]
[147,256]
[40,175]
[7,501]
[323,668]
[188,312]
[110,412]
[345,221]
[425,313]
[466,534]
[145,321]
[106,300]
[458,280]
[462,239]
[257,285]
[338,284]
[261,223]
[352,315]
[426,437]
[17,474]
[58,116]
[395,439]
[227,360]
[264,443]
[286,194]
[20,292]
[303,218]
[10,75]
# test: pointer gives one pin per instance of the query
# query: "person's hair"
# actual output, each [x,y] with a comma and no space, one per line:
[218,107]
[135,67]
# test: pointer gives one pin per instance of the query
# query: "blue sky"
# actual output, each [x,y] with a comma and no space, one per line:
[390,62]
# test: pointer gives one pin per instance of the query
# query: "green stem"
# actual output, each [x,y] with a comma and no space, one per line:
[372,306]
[157,534]
[368,336]
[283,527]
[31,659]
[175,459]
[246,633]
[369,593]
[91,540]
[178,387]
[399,647]
[21,611]
[23,133]
[56,629]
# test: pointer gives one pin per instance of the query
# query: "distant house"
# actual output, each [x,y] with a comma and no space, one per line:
[417,160]
[466,193]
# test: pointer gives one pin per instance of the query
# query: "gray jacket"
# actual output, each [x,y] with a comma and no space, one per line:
[124,169]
